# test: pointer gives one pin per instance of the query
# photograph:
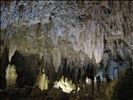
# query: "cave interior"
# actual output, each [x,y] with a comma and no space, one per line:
[66,50]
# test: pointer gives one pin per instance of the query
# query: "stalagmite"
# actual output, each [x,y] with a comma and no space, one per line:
[65,85]
[56,58]
[42,80]
[11,75]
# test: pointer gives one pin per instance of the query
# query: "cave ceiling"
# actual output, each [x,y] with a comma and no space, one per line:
[76,30]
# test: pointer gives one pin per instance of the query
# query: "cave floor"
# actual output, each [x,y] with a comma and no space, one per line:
[30,93]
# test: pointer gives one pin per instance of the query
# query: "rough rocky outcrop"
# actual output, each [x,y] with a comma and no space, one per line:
[122,87]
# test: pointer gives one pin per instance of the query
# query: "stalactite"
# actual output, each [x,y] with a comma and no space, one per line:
[53,33]
[112,65]
[86,18]
[98,50]
[56,58]
[12,49]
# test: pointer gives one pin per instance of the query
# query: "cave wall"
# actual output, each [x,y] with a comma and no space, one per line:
[4,63]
